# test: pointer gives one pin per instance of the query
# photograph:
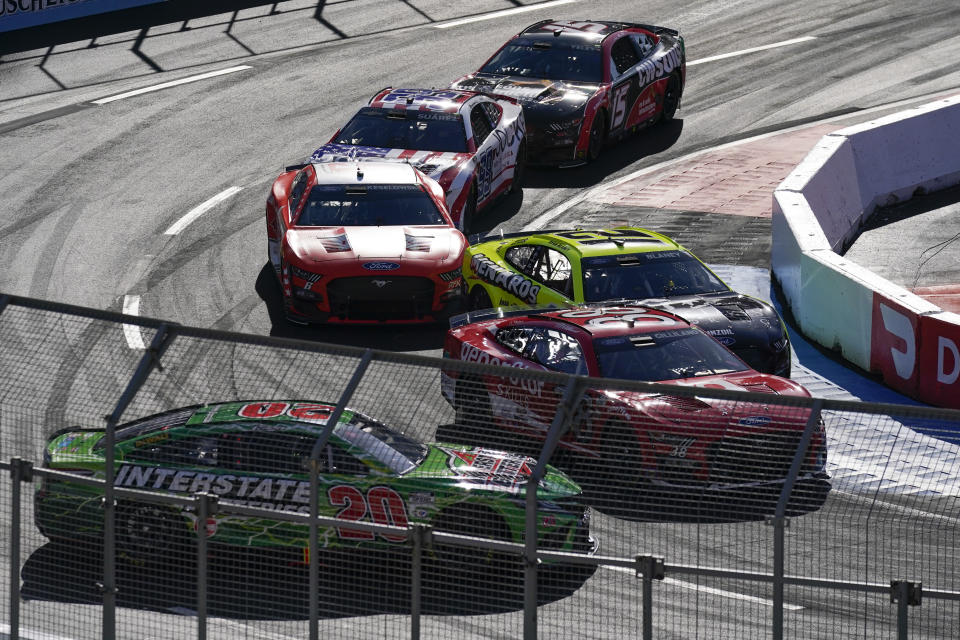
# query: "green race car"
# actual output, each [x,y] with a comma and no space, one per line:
[256,454]
[625,264]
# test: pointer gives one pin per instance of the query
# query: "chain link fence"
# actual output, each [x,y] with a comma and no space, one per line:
[221,485]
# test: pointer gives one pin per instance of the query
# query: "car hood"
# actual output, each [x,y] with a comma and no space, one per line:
[482,469]
[734,319]
[324,244]
[532,92]
[432,163]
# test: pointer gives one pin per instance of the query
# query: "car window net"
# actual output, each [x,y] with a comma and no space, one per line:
[649,275]
[370,205]
[557,62]
[395,129]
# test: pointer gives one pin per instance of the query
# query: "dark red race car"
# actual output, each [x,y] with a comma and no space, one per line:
[363,242]
[582,83]
[635,440]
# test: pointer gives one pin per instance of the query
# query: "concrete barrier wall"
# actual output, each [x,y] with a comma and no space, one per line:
[22,14]
[819,209]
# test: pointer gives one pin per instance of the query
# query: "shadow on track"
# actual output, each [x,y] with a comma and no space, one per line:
[615,157]
[258,585]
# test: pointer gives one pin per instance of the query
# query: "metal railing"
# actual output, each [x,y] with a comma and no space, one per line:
[777,551]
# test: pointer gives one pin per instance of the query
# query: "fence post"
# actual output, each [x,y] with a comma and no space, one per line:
[905,594]
[780,522]
[206,507]
[420,535]
[650,568]
[560,425]
[20,471]
[151,358]
[314,542]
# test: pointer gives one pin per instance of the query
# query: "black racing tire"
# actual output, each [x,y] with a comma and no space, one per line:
[469,213]
[479,299]
[466,565]
[671,98]
[520,170]
[149,533]
[472,406]
[598,135]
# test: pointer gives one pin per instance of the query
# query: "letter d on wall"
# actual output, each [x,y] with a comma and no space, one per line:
[944,345]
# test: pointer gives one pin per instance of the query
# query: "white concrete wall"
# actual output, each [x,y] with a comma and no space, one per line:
[819,209]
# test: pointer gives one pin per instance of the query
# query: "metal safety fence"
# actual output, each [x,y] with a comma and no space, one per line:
[221,485]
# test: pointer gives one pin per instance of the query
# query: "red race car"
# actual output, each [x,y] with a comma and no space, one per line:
[634,440]
[363,242]
[582,83]
[472,144]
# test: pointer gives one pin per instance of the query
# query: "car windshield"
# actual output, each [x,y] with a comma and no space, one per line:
[552,61]
[664,355]
[400,129]
[332,205]
[658,274]
[398,452]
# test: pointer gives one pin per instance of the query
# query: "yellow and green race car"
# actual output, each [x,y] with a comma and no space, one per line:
[565,267]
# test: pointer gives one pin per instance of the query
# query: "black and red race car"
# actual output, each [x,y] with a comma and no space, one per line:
[363,243]
[638,441]
[582,83]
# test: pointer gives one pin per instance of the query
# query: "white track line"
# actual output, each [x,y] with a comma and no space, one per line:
[30,634]
[131,307]
[172,83]
[499,14]
[198,211]
[733,54]
[717,592]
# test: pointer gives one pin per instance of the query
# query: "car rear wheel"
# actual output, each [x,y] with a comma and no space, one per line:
[598,135]
[469,212]
[671,98]
[473,404]
[464,564]
[520,170]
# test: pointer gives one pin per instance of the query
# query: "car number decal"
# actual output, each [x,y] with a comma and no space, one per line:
[384,505]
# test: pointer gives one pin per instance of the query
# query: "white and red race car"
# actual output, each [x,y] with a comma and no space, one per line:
[472,144]
[363,243]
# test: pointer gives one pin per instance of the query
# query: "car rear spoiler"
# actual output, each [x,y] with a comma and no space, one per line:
[500,235]
[500,312]
[653,28]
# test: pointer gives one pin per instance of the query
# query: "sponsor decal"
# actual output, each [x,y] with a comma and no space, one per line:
[302,411]
[513,283]
[152,439]
[380,266]
[490,467]
[727,341]
[470,353]
[651,70]
[754,421]
[721,332]
[608,315]
[679,445]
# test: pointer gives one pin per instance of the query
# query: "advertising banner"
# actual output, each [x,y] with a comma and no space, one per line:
[20,14]
[918,355]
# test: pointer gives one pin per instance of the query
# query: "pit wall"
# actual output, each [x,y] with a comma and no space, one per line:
[22,14]
[819,210]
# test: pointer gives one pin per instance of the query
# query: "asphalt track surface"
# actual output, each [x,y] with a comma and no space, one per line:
[88,190]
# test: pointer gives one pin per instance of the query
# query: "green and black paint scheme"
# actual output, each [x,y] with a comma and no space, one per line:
[256,453]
